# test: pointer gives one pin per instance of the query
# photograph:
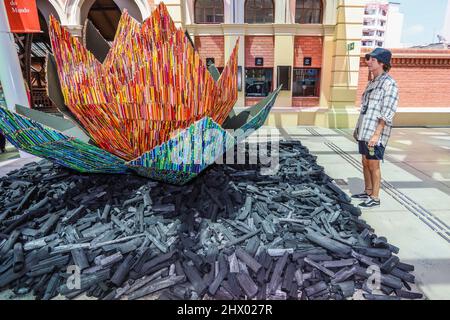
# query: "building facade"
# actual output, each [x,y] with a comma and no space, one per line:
[394,28]
[382,25]
[303,45]
[446,29]
[311,47]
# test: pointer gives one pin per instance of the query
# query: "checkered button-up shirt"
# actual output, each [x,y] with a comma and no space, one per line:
[379,101]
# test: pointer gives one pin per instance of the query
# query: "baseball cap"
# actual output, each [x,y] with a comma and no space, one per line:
[382,55]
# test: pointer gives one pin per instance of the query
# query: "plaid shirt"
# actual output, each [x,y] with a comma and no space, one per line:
[379,101]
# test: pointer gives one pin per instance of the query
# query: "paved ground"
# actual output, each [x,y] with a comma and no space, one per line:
[415,211]
[11,161]
[11,153]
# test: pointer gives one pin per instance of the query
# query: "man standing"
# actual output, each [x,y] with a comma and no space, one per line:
[379,103]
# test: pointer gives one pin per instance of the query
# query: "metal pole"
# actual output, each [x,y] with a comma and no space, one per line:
[10,71]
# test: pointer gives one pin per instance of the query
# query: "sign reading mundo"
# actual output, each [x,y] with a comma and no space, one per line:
[22,16]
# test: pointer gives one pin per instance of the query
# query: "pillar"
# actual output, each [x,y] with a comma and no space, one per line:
[345,62]
[283,56]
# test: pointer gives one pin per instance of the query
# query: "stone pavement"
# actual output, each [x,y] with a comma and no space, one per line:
[14,163]
[11,153]
[415,196]
[415,210]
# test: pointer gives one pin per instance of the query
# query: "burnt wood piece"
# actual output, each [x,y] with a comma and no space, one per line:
[248,260]
[194,278]
[277,272]
[329,244]
[319,267]
[157,285]
[408,295]
[247,284]
[18,258]
[390,264]
[369,296]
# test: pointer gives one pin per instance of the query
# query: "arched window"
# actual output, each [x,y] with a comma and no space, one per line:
[105,15]
[208,11]
[259,11]
[308,11]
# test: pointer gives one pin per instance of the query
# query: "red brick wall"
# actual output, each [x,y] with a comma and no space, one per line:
[259,46]
[308,47]
[423,77]
[251,101]
[211,47]
[305,101]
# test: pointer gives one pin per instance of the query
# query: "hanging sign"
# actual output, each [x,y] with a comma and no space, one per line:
[22,16]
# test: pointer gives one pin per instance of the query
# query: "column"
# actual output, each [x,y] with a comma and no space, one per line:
[283,56]
[345,68]
[326,77]
[75,30]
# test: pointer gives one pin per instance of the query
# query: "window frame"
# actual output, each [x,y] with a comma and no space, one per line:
[269,90]
[203,20]
[298,9]
[316,87]
[256,13]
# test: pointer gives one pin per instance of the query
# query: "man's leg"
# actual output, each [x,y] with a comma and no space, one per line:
[375,174]
[368,185]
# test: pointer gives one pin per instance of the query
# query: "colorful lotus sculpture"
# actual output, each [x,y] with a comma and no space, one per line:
[149,105]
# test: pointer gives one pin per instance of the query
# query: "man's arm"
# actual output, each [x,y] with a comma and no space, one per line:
[376,136]
[389,103]
[387,112]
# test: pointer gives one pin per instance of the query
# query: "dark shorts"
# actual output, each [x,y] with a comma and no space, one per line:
[364,150]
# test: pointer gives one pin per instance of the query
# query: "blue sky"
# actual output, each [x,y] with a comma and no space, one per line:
[423,20]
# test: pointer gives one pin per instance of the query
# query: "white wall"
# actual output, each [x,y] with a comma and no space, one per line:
[446,29]
[394,27]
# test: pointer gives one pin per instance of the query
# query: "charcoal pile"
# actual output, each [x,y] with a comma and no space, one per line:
[232,233]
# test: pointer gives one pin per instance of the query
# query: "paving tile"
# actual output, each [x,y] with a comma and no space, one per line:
[429,198]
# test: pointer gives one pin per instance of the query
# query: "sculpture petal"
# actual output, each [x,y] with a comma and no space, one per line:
[69,152]
[185,155]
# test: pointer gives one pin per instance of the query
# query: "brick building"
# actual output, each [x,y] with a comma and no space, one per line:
[423,78]
[382,24]
[312,47]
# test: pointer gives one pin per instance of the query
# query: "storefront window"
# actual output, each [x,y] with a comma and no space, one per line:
[258,82]
[308,11]
[209,11]
[259,11]
[306,82]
